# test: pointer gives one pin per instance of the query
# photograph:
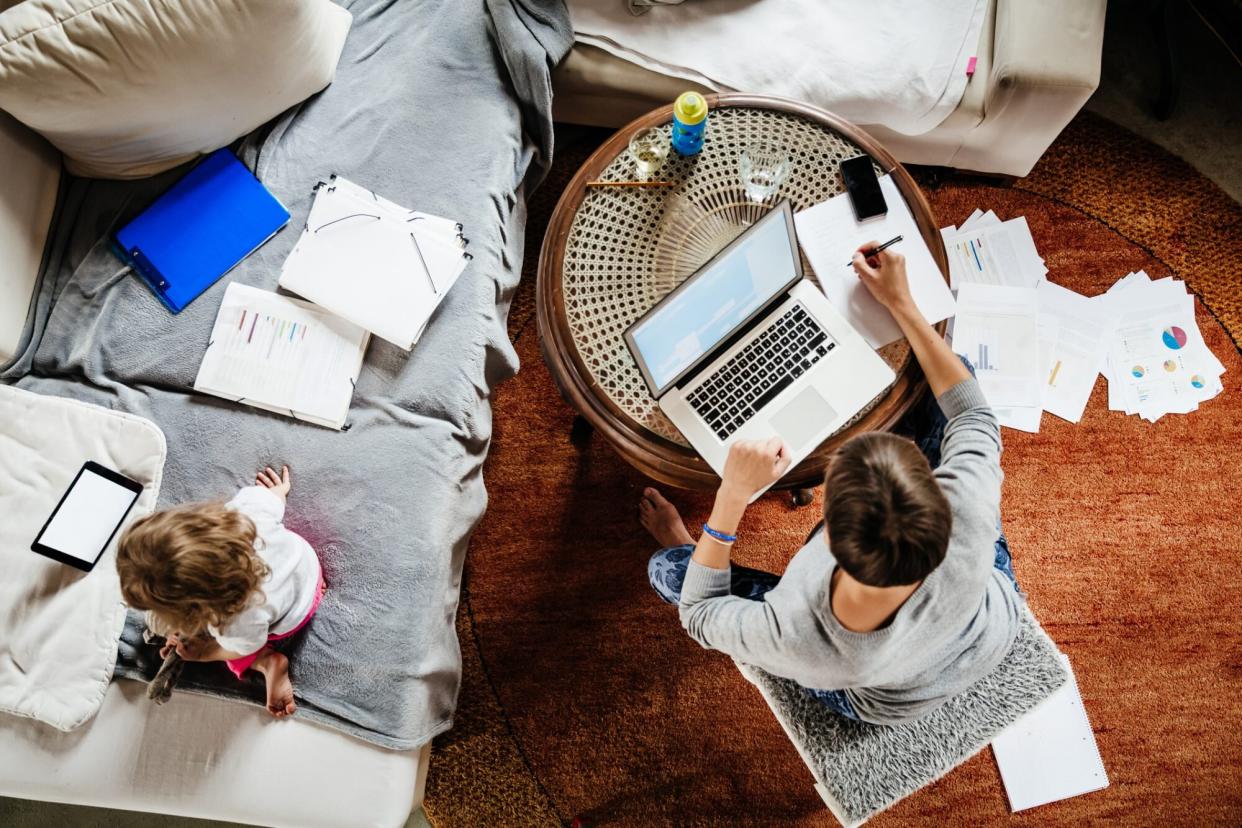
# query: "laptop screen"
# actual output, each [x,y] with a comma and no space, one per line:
[725,294]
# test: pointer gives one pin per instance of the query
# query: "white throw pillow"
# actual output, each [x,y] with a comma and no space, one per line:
[129,88]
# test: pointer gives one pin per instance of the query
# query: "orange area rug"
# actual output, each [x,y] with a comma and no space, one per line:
[583,698]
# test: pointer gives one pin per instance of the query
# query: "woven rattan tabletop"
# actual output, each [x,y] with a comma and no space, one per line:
[611,253]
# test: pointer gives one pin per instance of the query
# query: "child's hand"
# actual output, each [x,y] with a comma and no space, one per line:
[279,485]
[170,644]
[194,649]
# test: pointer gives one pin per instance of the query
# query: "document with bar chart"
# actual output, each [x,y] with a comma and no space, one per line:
[996,330]
[283,355]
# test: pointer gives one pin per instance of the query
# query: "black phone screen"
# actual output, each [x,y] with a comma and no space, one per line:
[863,187]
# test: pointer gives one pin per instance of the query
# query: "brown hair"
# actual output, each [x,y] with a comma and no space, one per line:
[888,521]
[190,566]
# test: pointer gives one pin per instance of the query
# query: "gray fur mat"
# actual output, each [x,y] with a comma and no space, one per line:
[861,769]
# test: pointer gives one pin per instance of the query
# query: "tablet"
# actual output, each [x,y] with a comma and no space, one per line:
[89,514]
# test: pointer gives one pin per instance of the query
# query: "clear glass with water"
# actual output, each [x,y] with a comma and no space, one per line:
[648,149]
[763,167]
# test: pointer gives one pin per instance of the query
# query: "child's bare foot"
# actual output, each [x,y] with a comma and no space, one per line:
[275,669]
[660,518]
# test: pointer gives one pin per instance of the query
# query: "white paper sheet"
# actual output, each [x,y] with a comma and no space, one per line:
[1085,330]
[830,234]
[996,329]
[1050,754]
[1047,330]
[283,355]
[991,252]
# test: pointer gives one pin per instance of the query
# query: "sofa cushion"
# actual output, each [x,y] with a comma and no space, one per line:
[129,88]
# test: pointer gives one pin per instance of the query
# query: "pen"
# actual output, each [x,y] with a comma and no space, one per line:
[630,183]
[867,254]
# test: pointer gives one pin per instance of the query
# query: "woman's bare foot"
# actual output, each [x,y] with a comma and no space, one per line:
[275,669]
[660,518]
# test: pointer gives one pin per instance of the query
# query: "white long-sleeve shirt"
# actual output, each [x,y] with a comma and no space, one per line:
[288,592]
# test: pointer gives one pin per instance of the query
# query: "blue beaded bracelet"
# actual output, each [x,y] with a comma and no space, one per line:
[720,536]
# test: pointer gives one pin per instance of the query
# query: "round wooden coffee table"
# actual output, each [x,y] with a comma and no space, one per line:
[611,253]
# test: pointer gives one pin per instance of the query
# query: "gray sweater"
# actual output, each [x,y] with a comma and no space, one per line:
[952,630]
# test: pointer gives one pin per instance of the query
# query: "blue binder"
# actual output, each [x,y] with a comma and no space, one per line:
[215,216]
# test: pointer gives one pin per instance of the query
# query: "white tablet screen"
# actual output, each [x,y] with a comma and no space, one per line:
[87,517]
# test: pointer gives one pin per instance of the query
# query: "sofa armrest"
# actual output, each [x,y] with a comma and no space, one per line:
[27,200]
[1045,65]
[1050,43]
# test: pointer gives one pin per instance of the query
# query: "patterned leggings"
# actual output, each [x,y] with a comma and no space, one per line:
[924,424]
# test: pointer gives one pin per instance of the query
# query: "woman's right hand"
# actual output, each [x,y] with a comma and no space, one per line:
[884,274]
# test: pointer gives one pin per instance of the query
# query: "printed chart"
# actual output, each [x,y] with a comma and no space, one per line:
[283,354]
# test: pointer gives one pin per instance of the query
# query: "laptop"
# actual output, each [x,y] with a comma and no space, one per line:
[746,348]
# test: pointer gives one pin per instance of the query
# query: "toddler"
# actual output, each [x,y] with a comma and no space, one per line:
[221,581]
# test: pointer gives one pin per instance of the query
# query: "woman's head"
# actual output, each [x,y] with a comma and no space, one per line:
[888,521]
[191,566]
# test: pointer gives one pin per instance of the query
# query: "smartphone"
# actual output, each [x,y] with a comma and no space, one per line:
[863,187]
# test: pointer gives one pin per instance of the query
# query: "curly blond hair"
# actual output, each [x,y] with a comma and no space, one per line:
[190,566]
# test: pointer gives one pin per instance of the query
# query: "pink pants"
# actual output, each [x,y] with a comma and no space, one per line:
[239,666]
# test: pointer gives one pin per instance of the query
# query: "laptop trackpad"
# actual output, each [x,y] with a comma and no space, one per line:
[803,418]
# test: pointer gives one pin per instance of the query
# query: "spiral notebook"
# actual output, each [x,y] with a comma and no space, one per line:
[1050,754]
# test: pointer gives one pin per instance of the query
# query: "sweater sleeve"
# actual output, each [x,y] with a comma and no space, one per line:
[970,472]
[259,504]
[745,629]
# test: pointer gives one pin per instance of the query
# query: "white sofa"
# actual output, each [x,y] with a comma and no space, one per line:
[195,756]
[1038,63]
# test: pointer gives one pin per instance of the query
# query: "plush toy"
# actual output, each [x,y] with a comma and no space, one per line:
[159,689]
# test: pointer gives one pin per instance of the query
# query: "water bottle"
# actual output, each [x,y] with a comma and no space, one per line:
[689,123]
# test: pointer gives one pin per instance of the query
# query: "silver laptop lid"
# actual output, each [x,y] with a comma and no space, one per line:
[719,299]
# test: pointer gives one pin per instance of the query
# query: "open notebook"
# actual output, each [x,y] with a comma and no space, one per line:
[1050,753]
[283,355]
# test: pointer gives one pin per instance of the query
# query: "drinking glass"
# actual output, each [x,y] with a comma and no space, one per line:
[763,167]
[648,148]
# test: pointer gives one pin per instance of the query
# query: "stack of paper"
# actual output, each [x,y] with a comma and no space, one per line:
[996,263]
[283,355]
[830,234]
[989,251]
[1050,754]
[1157,361]
[373,262]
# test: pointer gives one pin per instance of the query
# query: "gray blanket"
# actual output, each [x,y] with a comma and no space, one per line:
[442,107]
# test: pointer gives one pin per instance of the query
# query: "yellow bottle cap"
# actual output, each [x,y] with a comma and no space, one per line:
[690,107]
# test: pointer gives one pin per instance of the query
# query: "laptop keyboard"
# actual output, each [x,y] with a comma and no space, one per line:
[752,378]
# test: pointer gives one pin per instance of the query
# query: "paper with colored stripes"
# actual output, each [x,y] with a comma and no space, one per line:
[283,355]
